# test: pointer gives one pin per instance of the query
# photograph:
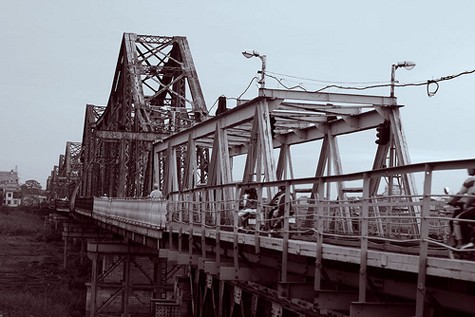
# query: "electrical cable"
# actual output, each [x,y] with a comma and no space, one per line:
[248,86]
[214,104]
[285,86]
[326,81]
[434,83]
[430,92]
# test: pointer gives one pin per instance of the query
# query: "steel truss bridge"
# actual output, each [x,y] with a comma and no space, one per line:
[350,244]
[65,175]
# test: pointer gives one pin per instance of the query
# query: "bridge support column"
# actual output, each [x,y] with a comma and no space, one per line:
[75,236]
[57,220]
[124,279]
[206,298]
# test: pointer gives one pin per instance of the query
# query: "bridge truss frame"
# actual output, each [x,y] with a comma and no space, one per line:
[155,93]
[278,119]
[67,173]
[155,128]
[310,269]
[205,235]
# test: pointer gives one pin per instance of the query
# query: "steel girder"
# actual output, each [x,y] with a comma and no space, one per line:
[155,93]
[125,279]
[279,119]
[91,184]
[67,173]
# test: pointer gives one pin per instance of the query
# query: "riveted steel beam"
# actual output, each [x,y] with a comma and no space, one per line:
[381,309]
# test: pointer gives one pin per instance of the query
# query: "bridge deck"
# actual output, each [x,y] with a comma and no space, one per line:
[396,249]
[409,235]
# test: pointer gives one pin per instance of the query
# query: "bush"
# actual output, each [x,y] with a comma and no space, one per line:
[16,222]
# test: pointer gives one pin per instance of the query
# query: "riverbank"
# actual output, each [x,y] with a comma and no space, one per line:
[32,279]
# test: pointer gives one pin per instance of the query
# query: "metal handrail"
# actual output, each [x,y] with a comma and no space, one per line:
[389,218]
[378,218]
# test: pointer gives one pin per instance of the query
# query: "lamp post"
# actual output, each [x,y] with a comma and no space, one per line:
[392,157]
[407,65]
[250,54]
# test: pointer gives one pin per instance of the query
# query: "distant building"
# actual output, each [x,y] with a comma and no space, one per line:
[10,192]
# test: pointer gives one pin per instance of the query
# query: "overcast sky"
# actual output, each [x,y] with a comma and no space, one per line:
[56,57]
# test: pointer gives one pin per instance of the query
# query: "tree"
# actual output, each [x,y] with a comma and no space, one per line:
[31,186]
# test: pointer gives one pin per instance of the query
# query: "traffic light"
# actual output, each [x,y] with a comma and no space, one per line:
[272,126]
[221,105]
[383,133]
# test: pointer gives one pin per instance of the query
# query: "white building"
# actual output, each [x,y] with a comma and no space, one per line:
[10,188]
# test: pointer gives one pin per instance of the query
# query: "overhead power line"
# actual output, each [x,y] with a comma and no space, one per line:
[432,85]
[326,81]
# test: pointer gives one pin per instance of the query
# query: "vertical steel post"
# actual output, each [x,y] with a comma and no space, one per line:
[254,302]
[218,208]
[157,277]
[235,230]
[94,277]
[126,286]
[220,298]
[364,240]
[318,225]
[285,240]
[191,210]
[83,251]
[180,221]
[65,251]
[122,169]
[393,75]
[260,219]
[423,246]
[203,222]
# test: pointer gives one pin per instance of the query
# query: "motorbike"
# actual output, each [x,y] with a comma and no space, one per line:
[456,252]
[272,213]
[249,221]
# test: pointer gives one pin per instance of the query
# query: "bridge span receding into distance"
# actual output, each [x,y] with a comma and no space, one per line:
[354,238]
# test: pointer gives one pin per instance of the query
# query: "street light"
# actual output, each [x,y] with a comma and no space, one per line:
[407,65]
[250,54]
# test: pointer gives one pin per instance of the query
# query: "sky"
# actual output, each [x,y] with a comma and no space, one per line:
[57,56]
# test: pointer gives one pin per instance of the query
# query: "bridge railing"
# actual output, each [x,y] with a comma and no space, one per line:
[388,221]
[387,218]
[144,212]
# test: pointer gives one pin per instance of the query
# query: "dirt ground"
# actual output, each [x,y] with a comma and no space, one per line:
[32,278]
[27,264]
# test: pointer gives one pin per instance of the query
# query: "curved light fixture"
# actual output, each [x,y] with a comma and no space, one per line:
[250,54]
[407,65]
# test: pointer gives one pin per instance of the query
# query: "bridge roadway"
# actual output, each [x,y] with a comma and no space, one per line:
[364,257]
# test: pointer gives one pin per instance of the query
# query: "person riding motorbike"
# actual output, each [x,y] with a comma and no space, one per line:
[465,199]
[249,207]
[277,208]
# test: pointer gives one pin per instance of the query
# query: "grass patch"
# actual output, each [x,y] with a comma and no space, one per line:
[20,221]
[19,304]
[53,292]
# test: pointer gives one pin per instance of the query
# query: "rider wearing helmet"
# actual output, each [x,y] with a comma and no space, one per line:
[277,205]
[466,199]
[248,208]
